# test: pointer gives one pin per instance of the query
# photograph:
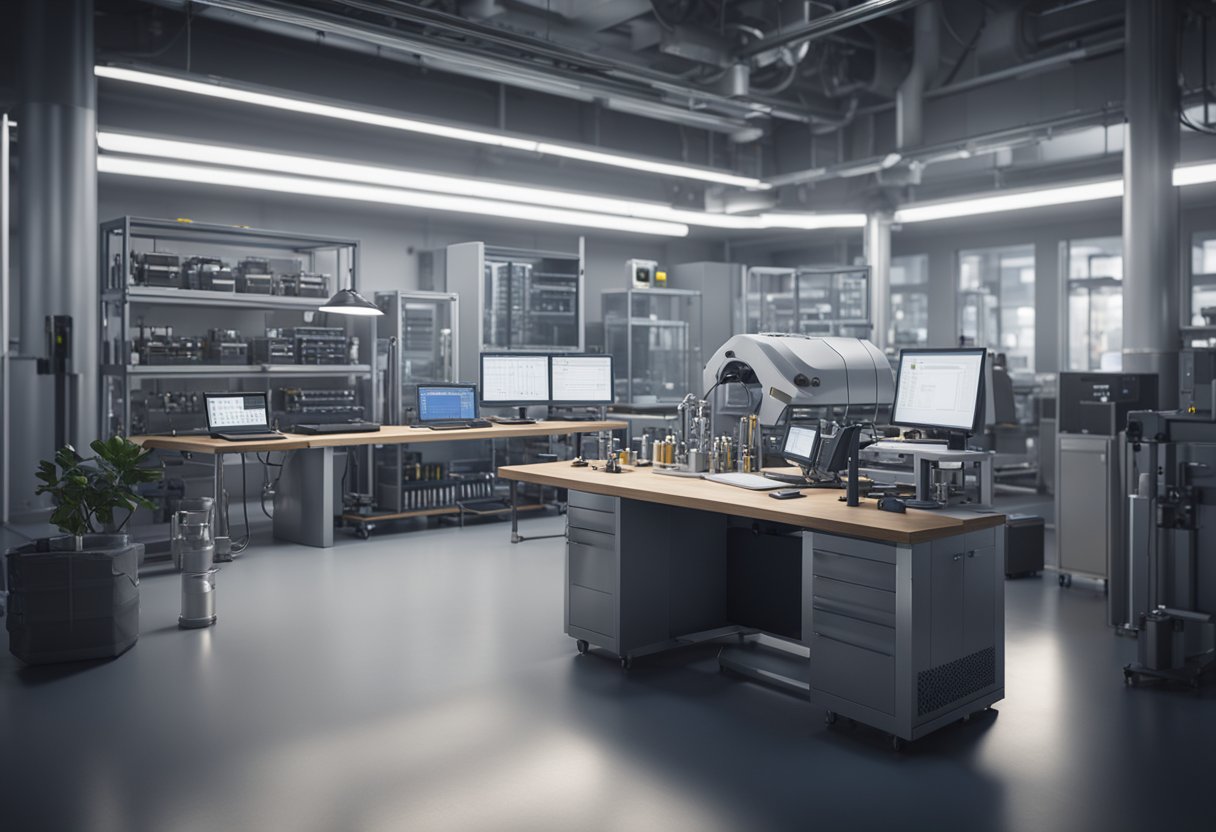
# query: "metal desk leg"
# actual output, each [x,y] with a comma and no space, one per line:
[515,538]
[223,543]
[304,502]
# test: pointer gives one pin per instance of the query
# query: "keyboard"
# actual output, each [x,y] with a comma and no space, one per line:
[247,437]
[753,482]
[792,479]
[472,423]
[338,427]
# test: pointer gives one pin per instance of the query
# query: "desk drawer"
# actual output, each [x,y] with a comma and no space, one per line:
[596,521]
[592,567]
[866,603]
[595,502]
[854,632]
[853,673]
[592,610]
[599,540]
[855,570]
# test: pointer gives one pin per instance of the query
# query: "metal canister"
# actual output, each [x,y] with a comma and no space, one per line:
[198,600]
[176,533]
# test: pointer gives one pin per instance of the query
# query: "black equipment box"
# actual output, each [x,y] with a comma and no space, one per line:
[210,274]
[272,350]
[1196,371]
[158,346]
[1023,545]
[304,285]
[253,276]
[157,268]
[320,344]
[1098,403]
[225,346]
[319,404]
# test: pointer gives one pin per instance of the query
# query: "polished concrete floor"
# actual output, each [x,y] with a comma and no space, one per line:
[421,681]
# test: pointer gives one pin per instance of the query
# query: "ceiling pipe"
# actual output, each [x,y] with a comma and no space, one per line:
[828,24]
[910,98]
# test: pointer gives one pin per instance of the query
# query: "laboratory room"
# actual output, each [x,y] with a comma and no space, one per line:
[673,415]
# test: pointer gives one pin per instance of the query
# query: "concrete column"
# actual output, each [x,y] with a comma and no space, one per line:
[58,192]
[1150,204]
[878,256]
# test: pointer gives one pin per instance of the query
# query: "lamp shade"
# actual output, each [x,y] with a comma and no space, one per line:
[350,302]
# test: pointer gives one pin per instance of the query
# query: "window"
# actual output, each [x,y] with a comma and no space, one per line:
[1203,275]
[1095,304]
[909,302]
[996,302]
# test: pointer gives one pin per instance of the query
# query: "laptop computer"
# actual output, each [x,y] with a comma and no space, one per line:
[448,407]
[239,417]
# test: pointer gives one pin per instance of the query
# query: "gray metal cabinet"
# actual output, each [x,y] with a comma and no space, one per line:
[1087,502]
[907,638]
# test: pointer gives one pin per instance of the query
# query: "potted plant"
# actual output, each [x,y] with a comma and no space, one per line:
[77,596]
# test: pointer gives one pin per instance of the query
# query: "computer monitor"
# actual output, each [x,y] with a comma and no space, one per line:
[514,379]
[447,402]
[581,379]
[801,445]
[237,412]
[940,389]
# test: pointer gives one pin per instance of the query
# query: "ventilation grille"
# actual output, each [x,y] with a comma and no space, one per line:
[947,683]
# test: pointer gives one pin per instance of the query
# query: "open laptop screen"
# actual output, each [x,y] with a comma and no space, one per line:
[447,402]
[237,411]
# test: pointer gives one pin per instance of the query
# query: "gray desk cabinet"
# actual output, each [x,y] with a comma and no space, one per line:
[907,638]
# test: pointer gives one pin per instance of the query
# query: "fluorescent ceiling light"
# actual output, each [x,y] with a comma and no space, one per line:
[1194,174]
[1016,201]
[393,177]
[205,175]
[409,125]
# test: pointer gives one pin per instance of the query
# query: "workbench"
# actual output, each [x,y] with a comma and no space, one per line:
[303,503]
[894,620]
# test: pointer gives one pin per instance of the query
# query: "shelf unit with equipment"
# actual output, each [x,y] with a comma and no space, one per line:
[188,308]
[655,336]
[515,299]
[807,300]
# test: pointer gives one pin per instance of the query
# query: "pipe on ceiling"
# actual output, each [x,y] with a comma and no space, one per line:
[828,24]
[910,98]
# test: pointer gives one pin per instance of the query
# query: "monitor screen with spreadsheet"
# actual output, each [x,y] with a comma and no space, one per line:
[939,388]
[514,379]
[581,379]
[237,410]
[447,402]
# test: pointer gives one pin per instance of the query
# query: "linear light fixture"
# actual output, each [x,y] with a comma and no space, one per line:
[1016,201]
[210,175]
[257,160]
[1201,174]
[229,92]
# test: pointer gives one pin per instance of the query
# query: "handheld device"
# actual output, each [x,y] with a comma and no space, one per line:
[239,417]
[786,494]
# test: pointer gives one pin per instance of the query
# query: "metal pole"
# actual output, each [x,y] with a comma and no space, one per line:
[223,542]
[1151,309]
[878,255]
[5,312]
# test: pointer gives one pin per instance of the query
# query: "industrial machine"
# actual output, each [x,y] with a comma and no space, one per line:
[840,379]
[1167,589]
[1091,414]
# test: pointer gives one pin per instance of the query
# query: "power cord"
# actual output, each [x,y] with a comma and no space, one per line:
[244,544]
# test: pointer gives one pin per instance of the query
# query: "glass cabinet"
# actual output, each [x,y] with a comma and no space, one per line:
[806,301]
[996,302]
[416,344]
[1095,304]
[654,336]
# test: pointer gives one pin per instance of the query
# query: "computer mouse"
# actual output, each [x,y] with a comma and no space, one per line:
[894,504]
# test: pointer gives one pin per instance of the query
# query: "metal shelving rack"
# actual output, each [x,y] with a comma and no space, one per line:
[807,300]
[655,338]
[122,302]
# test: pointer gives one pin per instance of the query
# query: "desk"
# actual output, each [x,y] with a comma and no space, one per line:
[303,506]
[895,620]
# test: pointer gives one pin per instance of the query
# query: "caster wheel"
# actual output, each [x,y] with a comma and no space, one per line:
[1068,580]
[363,533]
[897,744]
[582,646]
[626,663]
[1060,579]
[966,718]
[829,718]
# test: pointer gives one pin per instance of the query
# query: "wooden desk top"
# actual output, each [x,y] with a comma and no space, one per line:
[387,435]
[821,510]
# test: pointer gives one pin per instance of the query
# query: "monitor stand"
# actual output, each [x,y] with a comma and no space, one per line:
[956,440]
[521,418]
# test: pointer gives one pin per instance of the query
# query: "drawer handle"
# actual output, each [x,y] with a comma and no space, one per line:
[959,556]
[971,553]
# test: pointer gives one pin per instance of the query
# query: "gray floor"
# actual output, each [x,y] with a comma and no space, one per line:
[421,681]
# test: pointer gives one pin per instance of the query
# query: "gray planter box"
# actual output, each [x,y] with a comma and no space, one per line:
[69,606]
